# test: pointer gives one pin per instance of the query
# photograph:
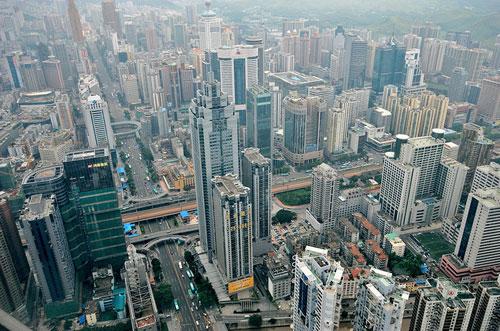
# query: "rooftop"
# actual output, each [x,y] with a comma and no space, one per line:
[229,185]
[254,156]
[296,78]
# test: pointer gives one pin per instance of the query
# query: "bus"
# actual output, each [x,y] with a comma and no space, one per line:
[176,304]
[191,286]
[180,265]
[189,273]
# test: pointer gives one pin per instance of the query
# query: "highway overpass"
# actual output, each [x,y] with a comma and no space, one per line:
[169,206]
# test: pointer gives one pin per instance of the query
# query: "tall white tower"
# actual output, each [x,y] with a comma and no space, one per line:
[98,123]
[209,29]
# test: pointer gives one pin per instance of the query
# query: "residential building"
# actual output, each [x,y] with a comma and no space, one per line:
[456,90]
[75,22]
[380,303]
[489,100]
[442,306]
[336,130]
[394,244]
[486,306]
[325,191]
[317,292]
[214,139]
[279,281]
[486,176]
[233,230]
[256,175]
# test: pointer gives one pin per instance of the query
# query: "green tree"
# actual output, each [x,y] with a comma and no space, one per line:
[188,256]
[155,263]
[284,216]
[163,296]
[255,320]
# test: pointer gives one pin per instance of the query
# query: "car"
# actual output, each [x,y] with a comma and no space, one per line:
[197,323]
[192,310]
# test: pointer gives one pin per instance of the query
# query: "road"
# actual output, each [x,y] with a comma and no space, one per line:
[186,317]
[108,85]
[144,188]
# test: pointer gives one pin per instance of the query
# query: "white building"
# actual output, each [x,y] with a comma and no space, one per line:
[98,123]
[380,303]
[336,130]
[413,78]
[130,89]
[325,192]
[53,148]
[478,245]
[487,306]
[486,176]
[317,292]
[210,29]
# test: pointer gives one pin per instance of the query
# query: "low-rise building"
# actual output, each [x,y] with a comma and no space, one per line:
[394,244]
[376,254]
[279,282]
[348,231]
[367,230]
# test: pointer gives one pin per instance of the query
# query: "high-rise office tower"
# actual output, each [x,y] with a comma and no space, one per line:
[413,78]
[214,139]
[258,43]
[163,122]
[442,306]
[486,306]
[380,303]
[456,91]
[90,181]
[180,35]
[477,245]
[12,62]
[256,175]
[355,57]
[326,92]
[233,229]
[51,181]
[52,71]
[75,22]
[355,102]
[304,128]
[336,130]
[475,150]
[210,29]
[317,294]
[238,72]
[388,65]
[98,123]
[11,293]
[9,228]
[43,229]
[417,185]
[32,75]
[259,121]
[191,14]
[325,192]
[110,16]
[489,100]
[486,176]
[141,303]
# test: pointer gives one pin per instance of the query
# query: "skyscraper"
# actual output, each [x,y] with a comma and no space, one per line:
[417,185]
[456,91]
[317,294]
[325,192]
[336,130]
[233,229]
[110,16]
[52,181]
[210,29]
[48,248]
[52,71]
[442,306]
[90,181]
[259,121]
[98,123]
[486,306]
[355,57]
[256,175]
[489,100]
[75,22]
[477,245]
[413,78]
[475,150]
[258,43]
[214,139]
[380,303]
[304,128]
[388,66]
[238,72]
[486,176]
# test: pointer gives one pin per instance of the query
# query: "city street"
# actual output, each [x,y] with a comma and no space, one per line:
[186,317]
[143,186]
